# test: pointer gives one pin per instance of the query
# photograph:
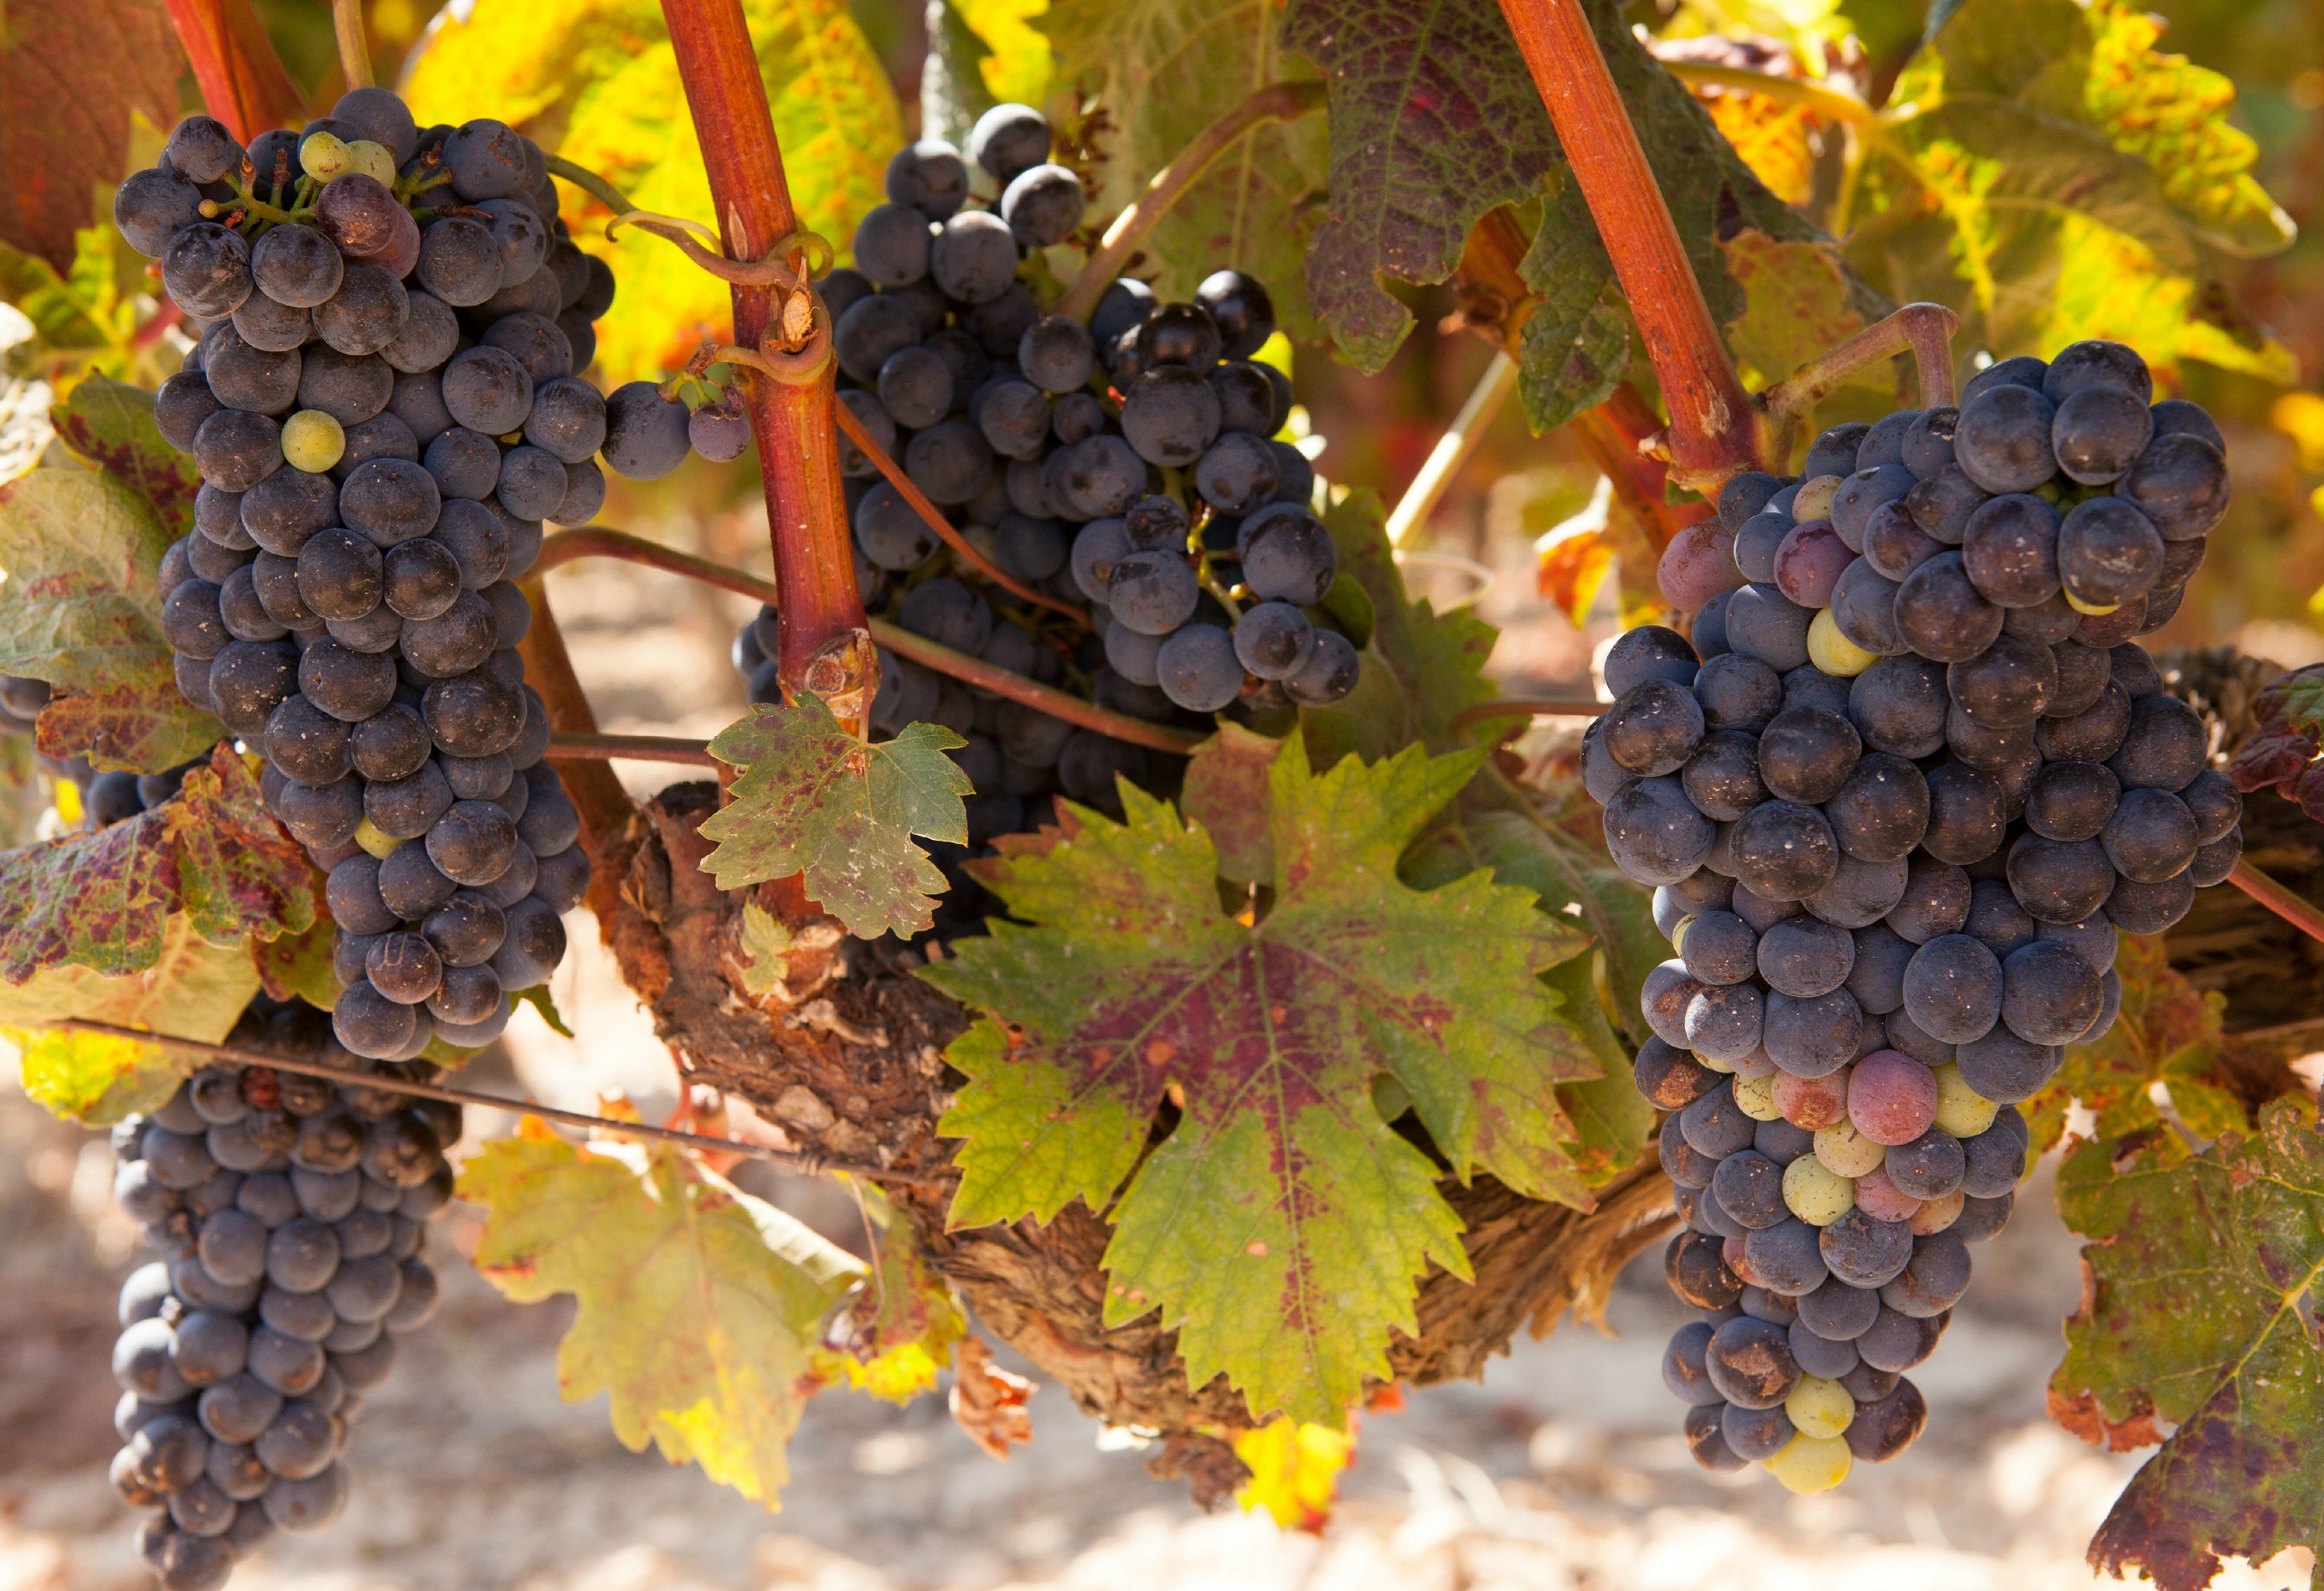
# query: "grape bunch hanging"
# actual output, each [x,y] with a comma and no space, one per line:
[1896,802]
[384,405]
[1127,464]
[290,1213]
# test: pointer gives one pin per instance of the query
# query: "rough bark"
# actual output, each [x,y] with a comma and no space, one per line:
[845,1054]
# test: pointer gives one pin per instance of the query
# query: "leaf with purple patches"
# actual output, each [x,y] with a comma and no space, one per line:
[1282,1224]
[108,426]
[2238,1230]
[103,901]
[80,608]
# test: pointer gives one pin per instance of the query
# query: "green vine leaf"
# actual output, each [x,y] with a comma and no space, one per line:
[2169,1032]
[109,425]
[299,964]
[213,860]
[2201,1309]
[1169,68]
[813,799]
[82,552]
[1433,121]
[1281,1224]
[980,53]
[597,81]
[698,1306]
[2053,177]
[1799,300]
[1421,668]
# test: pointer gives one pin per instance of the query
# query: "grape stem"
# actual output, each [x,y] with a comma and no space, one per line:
[355,49]
[1926,329]
[2295,909]
[774,270]
[936,521]
[790,417]
[600,542]
[590,183]
[237,1055]
[1278,102]
[584,747]
[243,80]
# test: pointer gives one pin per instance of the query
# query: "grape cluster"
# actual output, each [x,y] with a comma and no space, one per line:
[384,405]
[290,1212]
[1895,801]
[1127,464]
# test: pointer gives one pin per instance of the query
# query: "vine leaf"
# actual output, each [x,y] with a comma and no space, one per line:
[301,963]
[1420,669]
[597,81]
[1225,791]
[1281,1224]
[72,76]
[988,1401]
[2169,1031]
[2053,177]
[80,609]
[87,316]
[1169,69]
[1433,121]
[813,799]
[980,53]
[190,988]
[2287,717]
[109,425]
[1294,1470]
[697,1305]
[1799,300]
[895,1334]
[213,858]
[2240,1228]
[92,1078]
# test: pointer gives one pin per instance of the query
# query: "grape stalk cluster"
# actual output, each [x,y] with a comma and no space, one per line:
[384,405]
[290,1214]
[1896,802]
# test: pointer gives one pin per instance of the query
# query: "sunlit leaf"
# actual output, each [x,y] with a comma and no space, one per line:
[1281,1226]
[812,798]
[980,53]
[696,1306]
[95,1078]
[1294,1471]
[896,1332]
[73,73]
[597,81]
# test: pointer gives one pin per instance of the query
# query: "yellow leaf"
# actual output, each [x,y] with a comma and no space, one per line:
[698,1306]
[766,949]
[899,1329]
[91,1077]
[1294,1470]
[1018,70]
[597,81]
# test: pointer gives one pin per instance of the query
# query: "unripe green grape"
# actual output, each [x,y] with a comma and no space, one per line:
[367,159]
[1816,1193]
[312,440]
[324,156]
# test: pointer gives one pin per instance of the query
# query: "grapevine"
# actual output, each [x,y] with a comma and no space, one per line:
[1211,972]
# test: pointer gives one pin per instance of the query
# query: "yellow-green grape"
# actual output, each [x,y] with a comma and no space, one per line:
[324,156]
[1814,500]
[1820,1408]
[1846,1152]
[1678,936]
[1810,1464]
[1961,1110]
[1833,652]
[312,440]
[374,160]
[2094,610]
[1816,1193]
[371,840]
[1755,1096]
[1714,1065]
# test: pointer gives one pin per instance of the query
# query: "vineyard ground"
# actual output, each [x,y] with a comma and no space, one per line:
[1562,1470]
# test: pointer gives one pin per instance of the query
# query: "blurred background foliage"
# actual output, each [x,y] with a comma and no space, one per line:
[2050,168]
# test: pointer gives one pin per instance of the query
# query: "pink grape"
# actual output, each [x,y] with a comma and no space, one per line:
[1936,1214]
[1812,1102]
[1698,564]
[1809,562]
[1882,1199]
[1730,1249]
[1892,1098]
